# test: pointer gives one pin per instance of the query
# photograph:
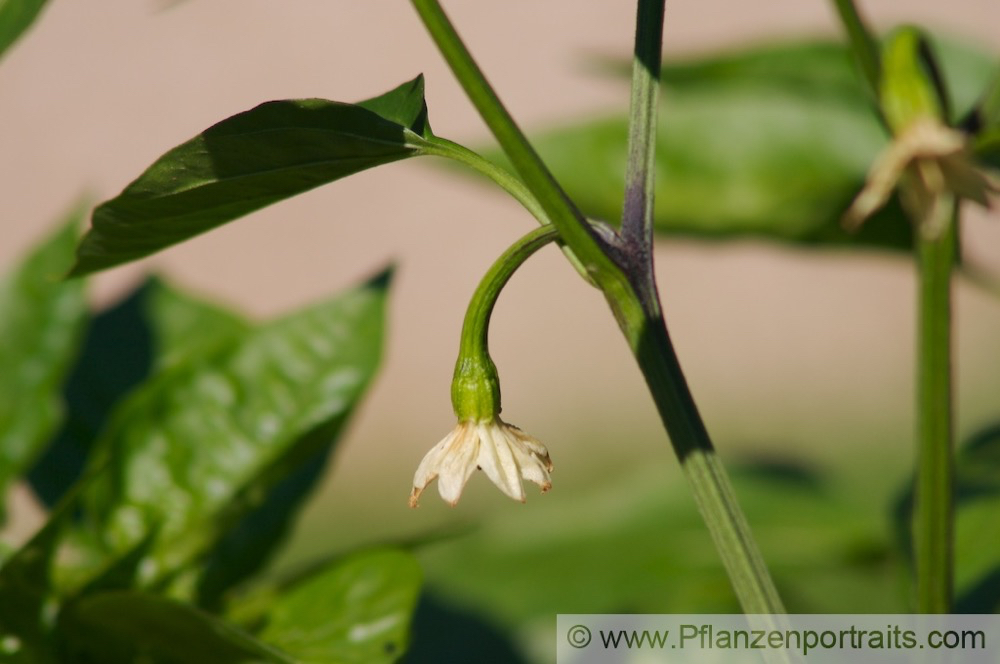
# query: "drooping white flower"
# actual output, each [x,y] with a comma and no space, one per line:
[502,451]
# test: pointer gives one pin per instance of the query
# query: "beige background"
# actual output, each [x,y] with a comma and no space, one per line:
[785,350]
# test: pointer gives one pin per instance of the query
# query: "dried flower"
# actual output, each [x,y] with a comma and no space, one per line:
[930,162]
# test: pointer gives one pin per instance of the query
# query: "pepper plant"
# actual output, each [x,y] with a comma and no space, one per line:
[171,481]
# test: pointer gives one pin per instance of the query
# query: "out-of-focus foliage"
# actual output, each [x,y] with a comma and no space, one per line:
[190,441]
[41,317]
[770,142]
[16,16]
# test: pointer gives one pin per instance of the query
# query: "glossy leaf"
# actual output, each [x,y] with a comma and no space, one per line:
[356,611]
[41,319]
[251,160]
[200,445]
[16,16]
[150,328]
[128,626]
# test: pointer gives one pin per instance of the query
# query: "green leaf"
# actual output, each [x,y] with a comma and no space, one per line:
[251,160]
[128,626]
[809,67]
[16,16]
[203,443]
[150,328]
[768,142]
[28,595]
[731,162]
[41,318]
[355,611]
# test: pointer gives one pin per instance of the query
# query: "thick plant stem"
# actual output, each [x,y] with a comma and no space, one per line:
[630,290]
[708,479]
[573,228]
[637,212]
[934,494]
[654,351]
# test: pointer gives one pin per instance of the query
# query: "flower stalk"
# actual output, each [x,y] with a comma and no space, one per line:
[621,266]
[481,440]
[932,166]
[933,523]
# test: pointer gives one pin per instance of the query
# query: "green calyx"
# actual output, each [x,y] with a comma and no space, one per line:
[475,387]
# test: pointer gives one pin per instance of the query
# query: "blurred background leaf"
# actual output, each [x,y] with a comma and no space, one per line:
[771,142]
[977,512]
[41,320]
[28,594]
[16,16]
[200,445]
[637,545]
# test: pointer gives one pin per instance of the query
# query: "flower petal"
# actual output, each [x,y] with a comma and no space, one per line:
[458,466]
[497,460]
[452,460]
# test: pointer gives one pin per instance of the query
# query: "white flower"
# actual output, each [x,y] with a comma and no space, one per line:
[501,450]
[929,160]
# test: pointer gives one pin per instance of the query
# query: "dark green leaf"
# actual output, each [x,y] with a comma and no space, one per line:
[41,317]
[150,328]
[356,611]
[16,16]
[403,105]
[203,443]
[251,160]
[134,627]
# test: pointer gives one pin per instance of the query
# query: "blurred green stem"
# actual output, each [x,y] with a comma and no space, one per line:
[934,499]
[863,44]
[628,286]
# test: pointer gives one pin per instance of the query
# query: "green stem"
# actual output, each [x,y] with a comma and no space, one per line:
[707,477]
[637,315]
[442,147]
[573,229]
[654,351]
[863,45]
[934,499]
[637,214]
